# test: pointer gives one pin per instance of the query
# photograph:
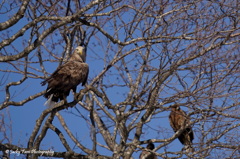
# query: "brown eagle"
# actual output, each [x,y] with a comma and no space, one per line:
[178,119]
[67,77]
[147,154]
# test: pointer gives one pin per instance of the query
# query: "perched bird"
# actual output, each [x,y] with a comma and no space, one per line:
[147,154]
[67,77]
[179,119]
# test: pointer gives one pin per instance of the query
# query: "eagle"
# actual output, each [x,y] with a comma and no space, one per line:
[178,119]
[147,154]
[67,77]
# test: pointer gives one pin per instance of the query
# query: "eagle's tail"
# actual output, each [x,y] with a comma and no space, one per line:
[50,102]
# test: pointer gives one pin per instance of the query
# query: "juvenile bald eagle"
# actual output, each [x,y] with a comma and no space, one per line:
[178,119]
[67,77]
[146,154]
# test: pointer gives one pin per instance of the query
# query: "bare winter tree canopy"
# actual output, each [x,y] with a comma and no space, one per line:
[143,57]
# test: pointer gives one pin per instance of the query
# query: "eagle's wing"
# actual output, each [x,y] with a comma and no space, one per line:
[85,73]
[171,121]
[182,121]
[191,134]
[175,120]
[56,73]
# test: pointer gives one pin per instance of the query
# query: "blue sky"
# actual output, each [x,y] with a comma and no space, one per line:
[99,54]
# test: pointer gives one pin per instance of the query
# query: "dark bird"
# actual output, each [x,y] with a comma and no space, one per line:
[67,77]
[147,154]
[179,119]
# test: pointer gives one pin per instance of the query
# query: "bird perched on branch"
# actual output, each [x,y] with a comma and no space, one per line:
[67,77]
[178,120]
[147,154]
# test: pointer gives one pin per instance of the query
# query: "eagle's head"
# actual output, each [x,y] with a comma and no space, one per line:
[175,107]
[81,51]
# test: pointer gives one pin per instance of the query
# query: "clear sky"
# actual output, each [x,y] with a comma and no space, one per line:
[22,119]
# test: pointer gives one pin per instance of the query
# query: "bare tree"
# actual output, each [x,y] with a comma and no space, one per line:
[144,56]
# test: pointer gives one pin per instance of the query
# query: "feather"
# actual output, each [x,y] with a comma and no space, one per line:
[49,102]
